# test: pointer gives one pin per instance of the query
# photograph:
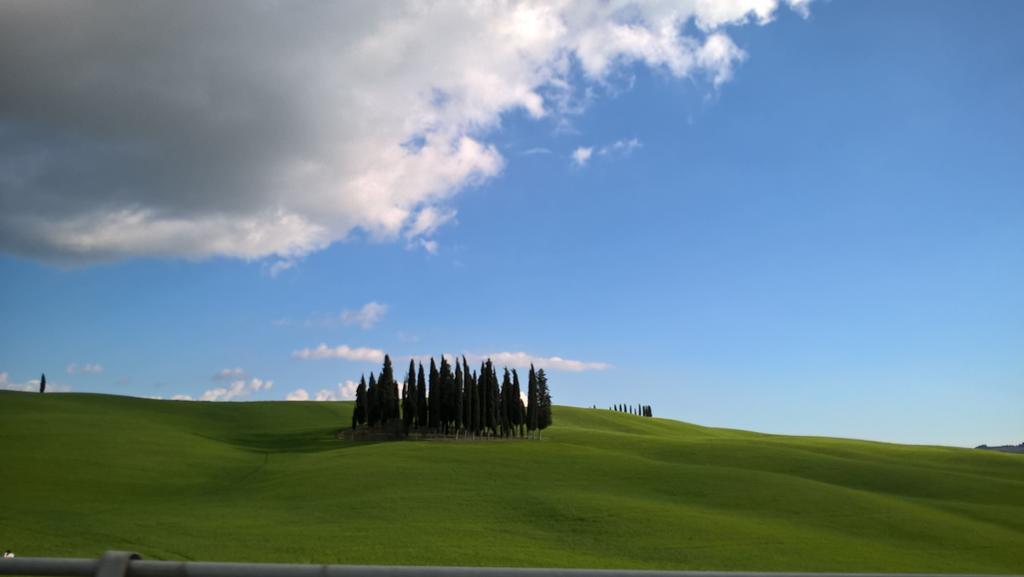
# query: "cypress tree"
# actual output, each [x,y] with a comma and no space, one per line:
[411,411]
[372,402]
[451,398]
[518,411]
[506,404]
[408,395]
[396,413]
[405,406]
[531,401]
[42,383]
[458,394]
[434,415]
[421,401]
[494,403]
[359,414]
[443,386]
[477,407]
[483,387]
[544,420]
[467,396]
[486,399]
[388,392]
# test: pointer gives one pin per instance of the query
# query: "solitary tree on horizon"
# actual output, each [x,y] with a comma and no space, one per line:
[42,383]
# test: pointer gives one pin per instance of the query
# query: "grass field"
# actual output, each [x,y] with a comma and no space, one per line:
[267,481]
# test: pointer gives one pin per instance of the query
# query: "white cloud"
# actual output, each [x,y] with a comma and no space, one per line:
[322,351]
[237,390]
[278,266]
[370,314]
[256,130]
[428,220]
[801,7]
[229,374]
[429,245]
[5,381]
[623,147]
[92,368]
[524,360]
[297,395]
[345,392]
[536,150]
[581,155]
[720,54]
[31,386]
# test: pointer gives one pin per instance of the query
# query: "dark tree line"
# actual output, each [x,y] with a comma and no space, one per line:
[453,400]
[641,410]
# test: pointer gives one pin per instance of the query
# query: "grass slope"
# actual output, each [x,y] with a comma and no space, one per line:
[267,482]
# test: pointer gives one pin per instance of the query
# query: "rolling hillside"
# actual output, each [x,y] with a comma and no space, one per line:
[267,481]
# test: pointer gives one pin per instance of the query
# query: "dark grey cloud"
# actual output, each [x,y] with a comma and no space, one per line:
[263,128]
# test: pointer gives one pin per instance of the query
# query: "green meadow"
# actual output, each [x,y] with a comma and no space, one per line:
[267,481]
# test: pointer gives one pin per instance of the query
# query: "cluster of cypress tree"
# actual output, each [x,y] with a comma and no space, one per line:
[455,401]
[642,410]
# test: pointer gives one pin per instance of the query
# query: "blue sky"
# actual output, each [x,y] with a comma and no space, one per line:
[826,240]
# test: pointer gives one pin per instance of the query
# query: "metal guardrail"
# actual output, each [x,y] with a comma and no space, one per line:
[128,564]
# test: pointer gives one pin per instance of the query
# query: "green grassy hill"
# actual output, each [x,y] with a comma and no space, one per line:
[267,482]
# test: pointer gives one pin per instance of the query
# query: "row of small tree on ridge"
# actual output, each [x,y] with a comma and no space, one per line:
[454,401]
[641,410]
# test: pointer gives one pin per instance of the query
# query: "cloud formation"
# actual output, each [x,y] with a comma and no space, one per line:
[620,147]
[297,395]
[581,155]
[31,385]
[91,368]
[345,392]
[229,374]
[524,360]
[255,129]
[236,390]
[322,351]
[366,317]
[519,360]
[624,147]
